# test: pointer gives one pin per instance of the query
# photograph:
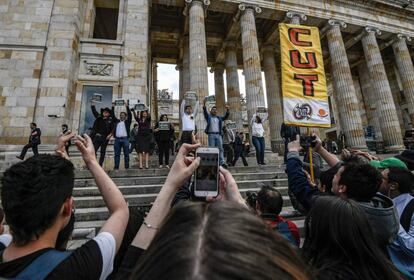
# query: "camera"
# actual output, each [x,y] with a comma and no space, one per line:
[307,141]
[251,198]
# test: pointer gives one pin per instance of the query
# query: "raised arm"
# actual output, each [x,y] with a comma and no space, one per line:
[253,119]
[182,108]
[94,112]
[265,118]
[135,115]
[113,198]
[330,159]
[206,115]
[196,108]
[180,172]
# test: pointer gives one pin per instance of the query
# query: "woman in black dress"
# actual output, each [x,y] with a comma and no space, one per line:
[164,138]
[144,136]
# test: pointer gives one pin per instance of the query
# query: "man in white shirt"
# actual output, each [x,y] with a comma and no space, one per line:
[121,132]
[188,122]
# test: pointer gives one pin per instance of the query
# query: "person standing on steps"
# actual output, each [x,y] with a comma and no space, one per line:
[188,117]
[34,141]
[164,138]
[228,143]
[132,138]
[143,137]
[214,129]
[258,140]
[101,130]
[239,149]
[121,131]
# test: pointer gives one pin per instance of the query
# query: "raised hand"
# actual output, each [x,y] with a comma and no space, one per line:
[62,142]
[183,166]
[85,146]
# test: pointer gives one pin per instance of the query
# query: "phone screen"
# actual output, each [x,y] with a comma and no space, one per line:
[207,172]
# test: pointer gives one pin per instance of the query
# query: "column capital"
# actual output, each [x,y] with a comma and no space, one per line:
[244,7]
[370,29]
[334,22]
[400,36]
[292,14]
[205,2]
[179,66]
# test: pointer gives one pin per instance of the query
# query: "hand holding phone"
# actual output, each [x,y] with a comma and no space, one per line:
[207,174]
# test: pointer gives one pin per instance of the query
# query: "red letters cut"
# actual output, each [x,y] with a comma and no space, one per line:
[296,62]
[307,83]
[294,37]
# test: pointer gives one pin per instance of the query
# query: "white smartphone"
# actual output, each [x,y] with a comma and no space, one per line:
[207,174]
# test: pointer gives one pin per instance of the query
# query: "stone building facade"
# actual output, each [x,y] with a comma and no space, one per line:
[56,55]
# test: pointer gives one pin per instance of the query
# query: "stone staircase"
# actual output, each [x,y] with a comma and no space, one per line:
[141,186]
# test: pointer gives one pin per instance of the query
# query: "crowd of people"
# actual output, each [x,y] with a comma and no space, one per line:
[359,219]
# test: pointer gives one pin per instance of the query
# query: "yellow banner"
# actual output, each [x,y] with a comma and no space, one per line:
[305,97]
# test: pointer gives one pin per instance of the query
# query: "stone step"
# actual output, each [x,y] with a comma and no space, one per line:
[100,212]
[85,195]
[152,180]
[134,172]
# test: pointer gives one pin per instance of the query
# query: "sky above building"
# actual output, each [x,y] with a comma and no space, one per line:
[168,78]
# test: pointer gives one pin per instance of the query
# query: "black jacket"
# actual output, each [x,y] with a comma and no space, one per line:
[164,135]
[101,126]
[35,136]
[128,121]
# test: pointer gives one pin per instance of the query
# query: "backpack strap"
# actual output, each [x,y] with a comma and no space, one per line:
[406,215]
[43,265]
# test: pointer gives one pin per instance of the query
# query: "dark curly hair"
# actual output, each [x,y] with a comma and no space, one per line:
[362,180]
[33,193]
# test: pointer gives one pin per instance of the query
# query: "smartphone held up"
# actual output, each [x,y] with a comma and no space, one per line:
[207,174]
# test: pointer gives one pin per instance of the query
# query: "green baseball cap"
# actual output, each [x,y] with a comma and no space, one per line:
[389,162]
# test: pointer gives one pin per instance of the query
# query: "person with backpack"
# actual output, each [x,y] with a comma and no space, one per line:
[269,204]
[398,184]
[37,197]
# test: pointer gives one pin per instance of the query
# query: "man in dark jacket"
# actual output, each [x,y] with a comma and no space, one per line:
[121,131]
[288,133]
[34,141]
[239,149]
[101,131]
[214,129]
[354,180]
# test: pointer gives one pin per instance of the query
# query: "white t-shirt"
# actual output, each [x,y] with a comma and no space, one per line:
[257,129]
[121,130]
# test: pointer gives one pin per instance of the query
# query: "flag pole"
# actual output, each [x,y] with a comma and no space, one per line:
[312,173]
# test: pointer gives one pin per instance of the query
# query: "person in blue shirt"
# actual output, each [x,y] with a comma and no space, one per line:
[398,184]
[214,129]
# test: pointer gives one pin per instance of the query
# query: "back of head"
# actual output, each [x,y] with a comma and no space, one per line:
[403,177]
[220,240]
[270,200]
[33,124]
[327,176]
[337,234]
[33,193]
[362,180]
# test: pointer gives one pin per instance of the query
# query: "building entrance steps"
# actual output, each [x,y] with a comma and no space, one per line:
[140,188]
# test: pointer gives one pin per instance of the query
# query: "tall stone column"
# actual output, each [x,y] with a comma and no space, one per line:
[406,70]
[369,100]
[390,128]
[218,70]
[251,60]
[274,100]
[232,80]
[345,94]
[198,58]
